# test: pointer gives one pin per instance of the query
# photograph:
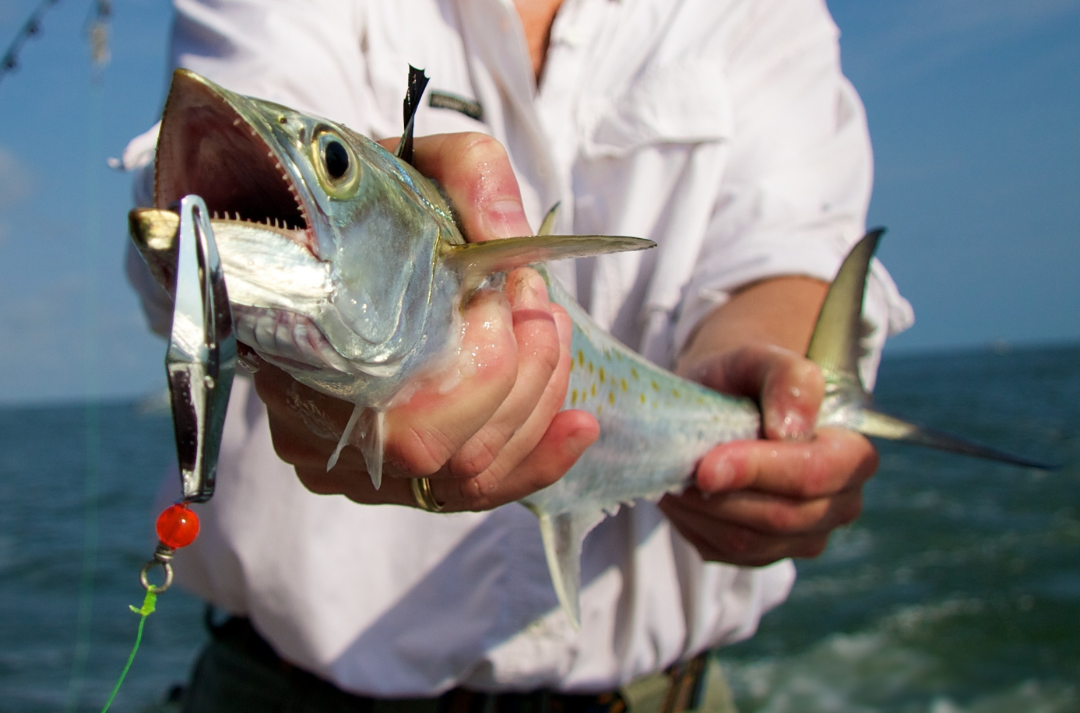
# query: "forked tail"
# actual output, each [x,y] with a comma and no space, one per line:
[836,347]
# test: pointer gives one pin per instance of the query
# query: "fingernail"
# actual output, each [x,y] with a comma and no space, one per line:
[506,219]
[529,290]
[719,477]
[790,425]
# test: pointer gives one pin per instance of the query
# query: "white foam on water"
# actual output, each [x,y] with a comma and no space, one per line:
[879,671]
[1028,697]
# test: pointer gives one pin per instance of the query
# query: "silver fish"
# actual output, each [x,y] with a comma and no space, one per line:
[345,267]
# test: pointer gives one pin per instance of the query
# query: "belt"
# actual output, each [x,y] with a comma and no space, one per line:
[678,689]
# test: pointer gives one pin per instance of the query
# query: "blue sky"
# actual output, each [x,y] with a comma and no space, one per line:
[974,108]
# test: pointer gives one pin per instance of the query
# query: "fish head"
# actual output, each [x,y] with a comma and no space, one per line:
[372,222]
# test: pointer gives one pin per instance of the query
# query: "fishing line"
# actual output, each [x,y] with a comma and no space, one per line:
[97,31]
[91,413]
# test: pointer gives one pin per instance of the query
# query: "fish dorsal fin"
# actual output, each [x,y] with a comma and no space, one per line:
[548,224]
[836,344]
[563,535]
[478,261]
[417,83]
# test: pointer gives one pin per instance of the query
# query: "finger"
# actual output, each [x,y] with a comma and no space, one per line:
[788,387]
[736,544]
[305,424]
[567,437]
[837,459]
[776,515]
[475,172]
[537,426]
[443,410]
[541,347]
[348,478]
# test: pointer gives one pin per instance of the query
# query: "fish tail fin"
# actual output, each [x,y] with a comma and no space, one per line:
[836,347]
[881,425]
[563,535]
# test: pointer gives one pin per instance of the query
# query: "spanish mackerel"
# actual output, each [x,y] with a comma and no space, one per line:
[345,267]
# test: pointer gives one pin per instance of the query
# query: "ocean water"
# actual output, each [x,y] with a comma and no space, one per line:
[958,591]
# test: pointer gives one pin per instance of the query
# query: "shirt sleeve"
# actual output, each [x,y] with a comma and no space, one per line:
[795,192]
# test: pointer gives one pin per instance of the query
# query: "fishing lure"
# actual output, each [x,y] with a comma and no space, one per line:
[200,364]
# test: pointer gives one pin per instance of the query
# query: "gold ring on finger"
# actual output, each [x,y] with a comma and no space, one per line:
[421,490]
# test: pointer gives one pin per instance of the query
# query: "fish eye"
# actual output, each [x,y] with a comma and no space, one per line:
[336,158]
[335,163]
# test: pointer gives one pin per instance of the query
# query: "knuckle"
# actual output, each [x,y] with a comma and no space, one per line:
[547,354]
[740,545]
[817,475]
[783,519]
[420,451]
[317,481]
[811,547]
[849,510]
[478,453]
[480,148]
[478,493]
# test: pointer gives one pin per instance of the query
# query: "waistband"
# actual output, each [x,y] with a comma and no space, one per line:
[682,688]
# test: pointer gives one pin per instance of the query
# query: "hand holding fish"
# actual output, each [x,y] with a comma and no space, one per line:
[495,434]
[756,502]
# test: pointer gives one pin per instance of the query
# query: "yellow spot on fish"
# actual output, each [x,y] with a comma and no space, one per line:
[600,409]
[633,372]
[643,397]
[573,397]
[601,375]
[592,391]
[581,357]
[611,398]
[675,393]
[590,367]
[622,382]
[656,386]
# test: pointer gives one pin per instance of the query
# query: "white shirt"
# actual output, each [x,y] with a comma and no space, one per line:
[721,129]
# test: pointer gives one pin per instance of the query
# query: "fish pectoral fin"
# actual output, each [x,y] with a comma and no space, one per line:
[371,441]
[563,535]
[478,261]
[880,425]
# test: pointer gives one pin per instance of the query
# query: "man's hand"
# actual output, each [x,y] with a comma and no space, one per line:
[756,502]
[485,428]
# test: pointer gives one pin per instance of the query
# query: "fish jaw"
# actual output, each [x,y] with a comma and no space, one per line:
[215,144]
[378,225]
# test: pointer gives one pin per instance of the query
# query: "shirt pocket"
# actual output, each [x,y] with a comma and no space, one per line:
[681,103]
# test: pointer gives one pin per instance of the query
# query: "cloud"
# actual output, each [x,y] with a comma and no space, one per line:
[16,180]
[16,187]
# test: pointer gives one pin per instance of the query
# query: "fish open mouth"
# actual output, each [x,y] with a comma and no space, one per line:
[207,148]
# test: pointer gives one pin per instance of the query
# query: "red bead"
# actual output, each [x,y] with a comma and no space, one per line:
[177,526]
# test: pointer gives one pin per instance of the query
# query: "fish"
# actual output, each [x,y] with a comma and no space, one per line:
[345,267]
